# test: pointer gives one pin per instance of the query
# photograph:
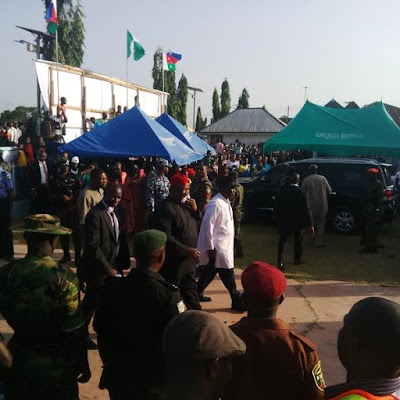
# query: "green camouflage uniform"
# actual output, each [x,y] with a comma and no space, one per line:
[237,207]
[201,191]
[39,299]
[372,208]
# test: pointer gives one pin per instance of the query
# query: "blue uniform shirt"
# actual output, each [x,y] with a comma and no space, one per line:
[6,184]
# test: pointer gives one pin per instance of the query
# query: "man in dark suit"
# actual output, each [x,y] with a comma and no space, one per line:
[293,212]
[40,178]
[105,253]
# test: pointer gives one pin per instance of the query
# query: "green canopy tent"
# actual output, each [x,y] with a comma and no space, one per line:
[339,132]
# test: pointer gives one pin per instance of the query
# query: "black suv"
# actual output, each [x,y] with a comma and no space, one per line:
[347,178]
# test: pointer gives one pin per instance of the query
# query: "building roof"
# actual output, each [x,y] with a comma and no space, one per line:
[393,111]
[246,120]
[352,105]
[333,104]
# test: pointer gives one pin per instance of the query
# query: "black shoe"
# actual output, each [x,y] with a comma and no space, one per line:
[239,306]
[281,266]
[205,299]
[298,262]
[65,259]
[90,344]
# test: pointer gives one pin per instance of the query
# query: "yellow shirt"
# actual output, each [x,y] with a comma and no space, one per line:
[21,160]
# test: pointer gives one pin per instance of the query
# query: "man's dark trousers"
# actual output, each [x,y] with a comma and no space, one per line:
[227,276]
[298,245]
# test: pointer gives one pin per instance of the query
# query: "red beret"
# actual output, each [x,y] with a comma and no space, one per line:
[191,171]
[373,171]
[262,281]
[179,180]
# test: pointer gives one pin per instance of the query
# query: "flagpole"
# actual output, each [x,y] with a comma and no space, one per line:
[163,97]
[58,74]
[127,105]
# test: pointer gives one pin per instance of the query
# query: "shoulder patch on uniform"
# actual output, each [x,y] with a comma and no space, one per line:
[181,307]
[318,376]
[304,340]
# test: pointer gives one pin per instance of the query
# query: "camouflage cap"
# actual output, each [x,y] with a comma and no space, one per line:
[43,223]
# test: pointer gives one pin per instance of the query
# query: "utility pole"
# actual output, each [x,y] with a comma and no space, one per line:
[305,93]
[194,103]
[39,36]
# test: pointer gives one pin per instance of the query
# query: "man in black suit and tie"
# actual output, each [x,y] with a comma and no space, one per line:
[40,178]
[294,215]
[105,254]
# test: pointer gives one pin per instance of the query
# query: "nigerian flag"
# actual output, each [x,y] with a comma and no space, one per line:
[134,47]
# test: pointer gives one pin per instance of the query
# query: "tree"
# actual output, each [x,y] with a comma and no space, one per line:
[200,122]
[182,100]
[25,116]
[225,98]
[216,107]
[169,82]
[71,34]
[244,99]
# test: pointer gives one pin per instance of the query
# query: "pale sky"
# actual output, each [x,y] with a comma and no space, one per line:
[342,49]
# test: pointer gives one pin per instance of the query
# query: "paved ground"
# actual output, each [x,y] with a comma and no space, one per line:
[315,309]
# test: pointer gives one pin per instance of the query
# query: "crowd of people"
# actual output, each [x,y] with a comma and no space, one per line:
[182,226]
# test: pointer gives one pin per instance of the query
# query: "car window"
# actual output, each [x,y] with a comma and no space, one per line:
[273,176]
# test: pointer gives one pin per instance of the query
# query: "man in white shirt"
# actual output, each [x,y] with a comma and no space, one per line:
[317,190]
[216,243]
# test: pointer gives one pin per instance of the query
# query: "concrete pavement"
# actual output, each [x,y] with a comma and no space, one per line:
[315,309]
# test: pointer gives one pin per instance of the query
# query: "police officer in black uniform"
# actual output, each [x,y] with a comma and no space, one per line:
[6,206]
[131,319]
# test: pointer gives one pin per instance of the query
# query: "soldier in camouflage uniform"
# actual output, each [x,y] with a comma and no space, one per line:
[157,188]
[371,208]
[39,299]
[237,207]
[201,189]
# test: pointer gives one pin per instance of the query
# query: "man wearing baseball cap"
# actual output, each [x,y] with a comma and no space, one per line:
[279,363]
[198,349]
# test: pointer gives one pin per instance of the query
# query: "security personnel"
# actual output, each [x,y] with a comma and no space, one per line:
[6,206]
[131,319]
[64,192]
[39,299]
[237,207]
[278,360]
[372,209]
[201,189]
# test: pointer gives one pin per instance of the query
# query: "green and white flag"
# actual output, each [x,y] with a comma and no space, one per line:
[134,47]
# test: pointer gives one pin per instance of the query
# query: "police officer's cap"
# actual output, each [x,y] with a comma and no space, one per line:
[198,335]
[147,242]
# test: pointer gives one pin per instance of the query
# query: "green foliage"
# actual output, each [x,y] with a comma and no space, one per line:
[71,34]
[216,107]
[169,82]
[182,100]
[225,98]
[244,99]
[200,122]
[25,116]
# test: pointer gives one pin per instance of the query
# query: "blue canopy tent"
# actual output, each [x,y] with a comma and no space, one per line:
[182,133]
[131,134]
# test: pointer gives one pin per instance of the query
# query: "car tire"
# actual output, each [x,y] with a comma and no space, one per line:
[344,221]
